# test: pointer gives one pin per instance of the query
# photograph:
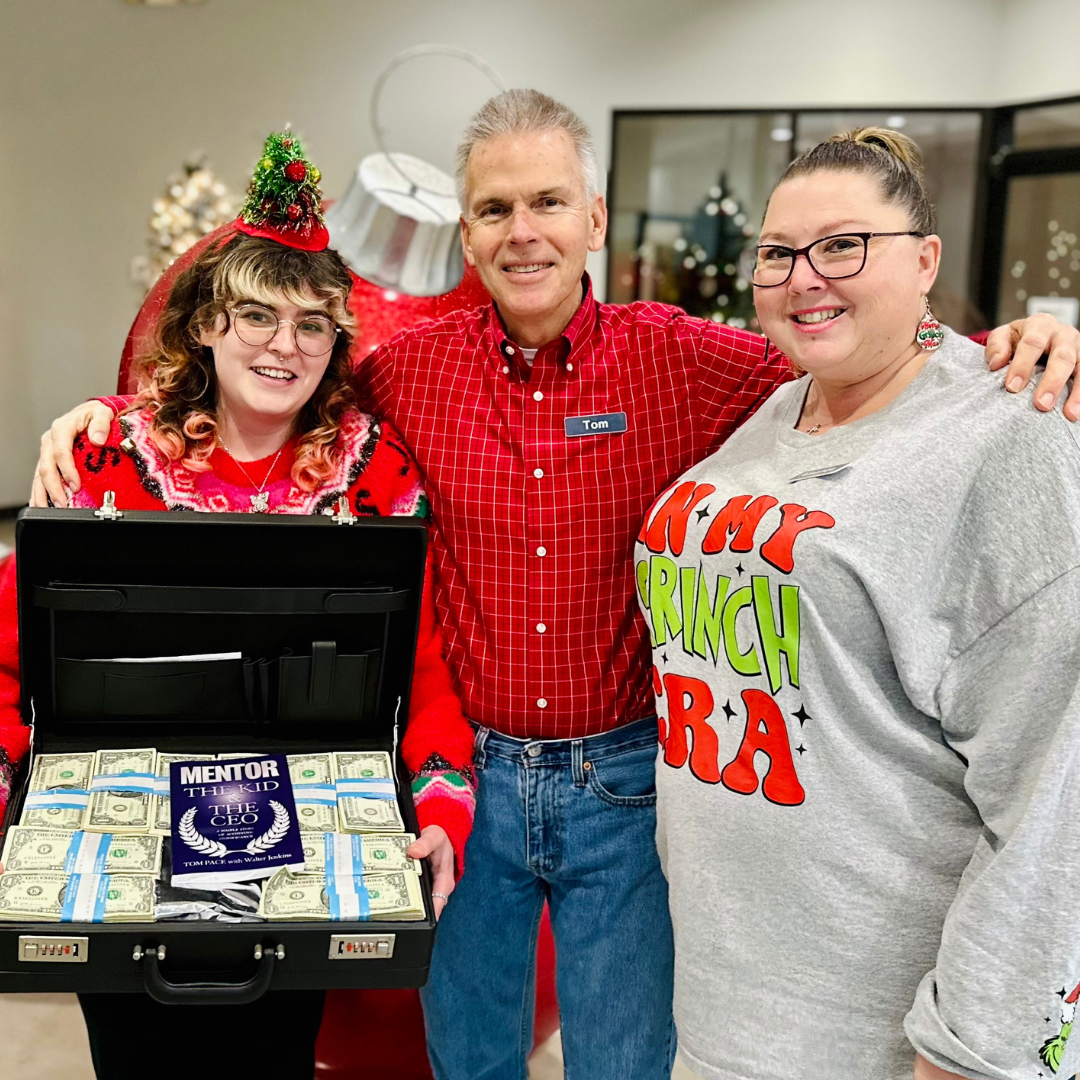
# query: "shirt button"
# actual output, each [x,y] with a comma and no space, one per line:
[506,370]
[569,367]
[535,749]
[541,703]
[541,627]
[538,473]
[541,551]
[509,350]
[538,396]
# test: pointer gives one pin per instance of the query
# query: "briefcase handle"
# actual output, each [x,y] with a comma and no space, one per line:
[207,993]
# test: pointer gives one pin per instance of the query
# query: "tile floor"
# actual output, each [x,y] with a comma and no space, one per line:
[44,1039]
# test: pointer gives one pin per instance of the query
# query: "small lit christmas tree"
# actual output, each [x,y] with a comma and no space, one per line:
[194,204]
[709,275]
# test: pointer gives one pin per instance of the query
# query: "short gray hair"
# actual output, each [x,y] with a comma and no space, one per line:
[527,110]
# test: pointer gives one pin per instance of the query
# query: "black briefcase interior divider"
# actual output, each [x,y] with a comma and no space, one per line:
[324,613]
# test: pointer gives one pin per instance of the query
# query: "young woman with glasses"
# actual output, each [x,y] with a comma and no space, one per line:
[247,407]
[867,643]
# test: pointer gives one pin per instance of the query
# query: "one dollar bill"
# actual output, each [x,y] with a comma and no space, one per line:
[115,807]
[37,850]
[359,812]
[375,852]
[59,774]
[43,897]
[61,771]
[162,817]
[312,777]
[306,898]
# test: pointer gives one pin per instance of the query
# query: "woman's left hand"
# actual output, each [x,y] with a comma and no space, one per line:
[435,844]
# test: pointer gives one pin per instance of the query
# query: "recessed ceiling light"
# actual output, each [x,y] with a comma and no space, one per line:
[781,134]
[896,121]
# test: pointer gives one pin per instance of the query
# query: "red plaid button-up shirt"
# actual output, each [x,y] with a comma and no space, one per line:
[533,529]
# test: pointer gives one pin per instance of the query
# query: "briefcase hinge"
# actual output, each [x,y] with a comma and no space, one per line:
[344,514]
[108,511]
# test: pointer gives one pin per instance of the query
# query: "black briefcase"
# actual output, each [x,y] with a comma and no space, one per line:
[324,612]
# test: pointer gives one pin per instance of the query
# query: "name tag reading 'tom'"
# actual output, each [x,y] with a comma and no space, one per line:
[604,424]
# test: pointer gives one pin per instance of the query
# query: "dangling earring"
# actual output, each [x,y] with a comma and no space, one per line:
[929,335]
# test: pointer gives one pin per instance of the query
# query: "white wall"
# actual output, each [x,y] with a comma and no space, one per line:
[101,100]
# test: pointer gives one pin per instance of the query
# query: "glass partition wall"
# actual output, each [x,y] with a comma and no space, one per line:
[688,189]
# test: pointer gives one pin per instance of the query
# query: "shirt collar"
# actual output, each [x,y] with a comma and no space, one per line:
[575,332]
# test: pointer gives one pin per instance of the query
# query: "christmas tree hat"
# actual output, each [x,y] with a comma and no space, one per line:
[284,202]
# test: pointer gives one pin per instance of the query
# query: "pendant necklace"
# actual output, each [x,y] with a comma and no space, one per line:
[260,501]
[844,419]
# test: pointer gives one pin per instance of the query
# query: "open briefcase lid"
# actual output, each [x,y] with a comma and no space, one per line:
[273,627]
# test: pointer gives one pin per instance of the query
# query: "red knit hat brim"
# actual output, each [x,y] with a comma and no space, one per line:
[305,239]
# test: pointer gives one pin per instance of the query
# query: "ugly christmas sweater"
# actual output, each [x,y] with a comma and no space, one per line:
[378,475]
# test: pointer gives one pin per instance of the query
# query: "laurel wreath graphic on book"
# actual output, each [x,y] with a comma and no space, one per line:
[275,834]
[217,850]
[195,839]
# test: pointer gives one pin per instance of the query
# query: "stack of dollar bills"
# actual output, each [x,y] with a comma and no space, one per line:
[348,878]
[107,792]
[58,897]
[366,794]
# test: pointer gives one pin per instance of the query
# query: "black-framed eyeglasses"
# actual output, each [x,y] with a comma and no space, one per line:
[256,325]
[842,255]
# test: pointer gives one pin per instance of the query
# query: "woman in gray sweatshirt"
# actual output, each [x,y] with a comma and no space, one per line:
[865,612]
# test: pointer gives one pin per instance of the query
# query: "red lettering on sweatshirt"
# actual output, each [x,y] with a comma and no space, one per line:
[741,517]
[765,731]
[668,528]
[777,549]
[693,715]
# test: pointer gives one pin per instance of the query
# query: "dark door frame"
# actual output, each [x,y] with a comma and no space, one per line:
[998,162]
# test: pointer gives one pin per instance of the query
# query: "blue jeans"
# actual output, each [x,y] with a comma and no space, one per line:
[572,822]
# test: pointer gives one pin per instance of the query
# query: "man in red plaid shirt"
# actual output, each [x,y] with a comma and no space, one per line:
[545,424]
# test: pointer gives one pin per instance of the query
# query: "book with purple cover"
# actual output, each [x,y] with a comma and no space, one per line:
[232,821]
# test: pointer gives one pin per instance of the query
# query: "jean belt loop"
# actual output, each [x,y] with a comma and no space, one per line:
[577,757]
[479,756]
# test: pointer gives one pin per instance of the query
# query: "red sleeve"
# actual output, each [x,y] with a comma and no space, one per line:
[14,734]
[109,468]
[438,742]
[373,377]
[118,403]
[737,371]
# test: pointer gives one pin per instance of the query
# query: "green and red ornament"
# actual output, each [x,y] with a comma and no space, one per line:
[929,335]
[283,201]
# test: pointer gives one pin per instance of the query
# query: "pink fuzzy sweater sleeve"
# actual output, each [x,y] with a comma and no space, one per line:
[14,735]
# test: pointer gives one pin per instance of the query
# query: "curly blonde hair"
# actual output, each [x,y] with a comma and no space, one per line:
[176,374]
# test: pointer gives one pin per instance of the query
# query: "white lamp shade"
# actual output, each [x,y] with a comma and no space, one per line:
[397,226]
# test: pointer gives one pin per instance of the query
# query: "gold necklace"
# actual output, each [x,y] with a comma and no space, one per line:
[844,419]
[260,501]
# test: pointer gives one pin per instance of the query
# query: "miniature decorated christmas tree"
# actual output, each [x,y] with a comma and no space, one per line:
[283,201]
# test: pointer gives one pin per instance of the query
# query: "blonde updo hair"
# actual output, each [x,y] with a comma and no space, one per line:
[893,159]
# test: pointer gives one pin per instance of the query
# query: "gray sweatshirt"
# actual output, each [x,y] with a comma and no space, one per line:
[867,650]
